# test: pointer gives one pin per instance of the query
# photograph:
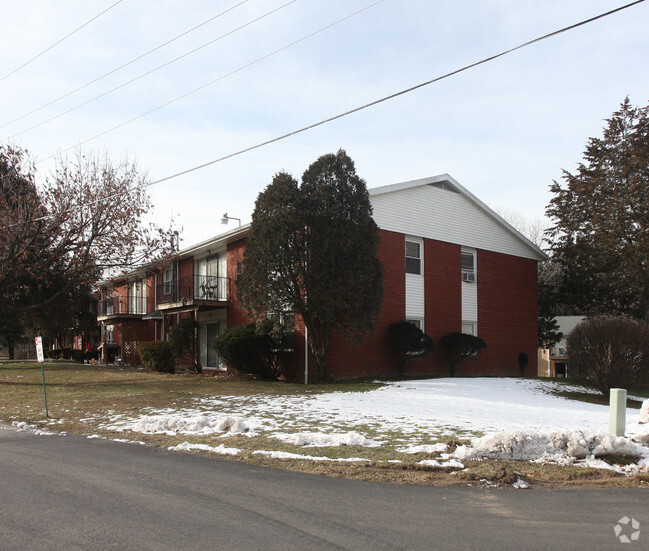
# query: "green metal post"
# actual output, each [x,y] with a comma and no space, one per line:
[47,414]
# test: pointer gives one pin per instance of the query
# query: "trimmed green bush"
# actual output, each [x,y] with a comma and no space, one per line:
[250,348]
[157,356]
[407,341]
[458,346]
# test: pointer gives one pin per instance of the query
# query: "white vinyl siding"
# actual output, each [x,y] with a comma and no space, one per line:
[445,215]
[469,289]
[415,293]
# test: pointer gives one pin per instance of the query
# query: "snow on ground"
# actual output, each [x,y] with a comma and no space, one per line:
[505,417]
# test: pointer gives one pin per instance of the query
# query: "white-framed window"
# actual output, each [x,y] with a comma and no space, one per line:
[167,277]
[468,266]
[137,297]
[469,328]
[417,322]
[414,256]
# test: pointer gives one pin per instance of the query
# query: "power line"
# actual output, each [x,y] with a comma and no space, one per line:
[222,77]
[156,69]
[125,64]
[365,106]
[396,94]
[58,42]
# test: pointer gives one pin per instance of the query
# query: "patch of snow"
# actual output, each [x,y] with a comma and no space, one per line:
[198,424]
[563,447]
[125,441]
[288,455]
[454,463]
[424,448]
[321,440]
[644,412]
[520,484]
[220,449]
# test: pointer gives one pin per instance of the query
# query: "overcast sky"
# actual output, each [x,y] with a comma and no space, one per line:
[504,130]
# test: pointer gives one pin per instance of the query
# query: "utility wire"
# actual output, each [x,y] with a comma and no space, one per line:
[125,64]
[222,77]
[157,68]
[362,107]
[57,43]
[396,94]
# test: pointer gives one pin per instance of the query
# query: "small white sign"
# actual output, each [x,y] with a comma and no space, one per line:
[39,349]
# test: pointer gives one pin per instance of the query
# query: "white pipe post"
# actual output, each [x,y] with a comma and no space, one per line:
[306,355]
[617,419]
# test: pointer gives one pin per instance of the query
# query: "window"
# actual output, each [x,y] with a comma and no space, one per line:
[468,266]
[167,276]
[239,269]
[413,257]
[418,323]
[469,327]
[137,297]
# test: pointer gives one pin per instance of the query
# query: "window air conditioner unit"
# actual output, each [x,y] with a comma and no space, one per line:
[468,277]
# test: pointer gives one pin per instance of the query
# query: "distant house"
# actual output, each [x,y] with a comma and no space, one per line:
[450,264]
[553,362]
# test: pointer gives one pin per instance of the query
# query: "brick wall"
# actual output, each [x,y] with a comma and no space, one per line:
[371,357]
[507,314]
[236,315]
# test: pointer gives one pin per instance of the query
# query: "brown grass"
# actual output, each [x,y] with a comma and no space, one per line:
[83,396]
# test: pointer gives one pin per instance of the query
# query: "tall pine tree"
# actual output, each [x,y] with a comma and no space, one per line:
[600,215]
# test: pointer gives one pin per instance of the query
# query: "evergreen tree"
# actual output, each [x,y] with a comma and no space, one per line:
[312,251]
[600,218]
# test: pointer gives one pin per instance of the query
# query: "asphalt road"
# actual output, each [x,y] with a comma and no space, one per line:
[70,492]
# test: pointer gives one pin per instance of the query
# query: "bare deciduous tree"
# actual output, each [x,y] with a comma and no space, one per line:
[82,223]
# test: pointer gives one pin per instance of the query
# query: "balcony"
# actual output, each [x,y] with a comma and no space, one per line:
[197,290]
[120,306]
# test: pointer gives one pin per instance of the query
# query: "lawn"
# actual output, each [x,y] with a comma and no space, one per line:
[404,433]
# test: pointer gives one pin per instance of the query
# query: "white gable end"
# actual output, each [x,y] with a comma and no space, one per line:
[446,213]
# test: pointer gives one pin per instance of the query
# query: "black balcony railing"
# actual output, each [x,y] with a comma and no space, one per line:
[197,287]
[122,305]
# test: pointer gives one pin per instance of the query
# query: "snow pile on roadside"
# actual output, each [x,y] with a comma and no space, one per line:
[563,447]
[220,449]
[197,424]
[322,440]
[22,426]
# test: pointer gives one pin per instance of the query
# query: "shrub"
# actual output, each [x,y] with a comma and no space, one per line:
[458,346]
[251,348]
[157,356]
[407,341]
[78,355]
[610,352]
[523,361]
[183,341]
[54,353]
[66,353]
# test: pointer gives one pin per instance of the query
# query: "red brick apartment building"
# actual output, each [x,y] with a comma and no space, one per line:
[450,264]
